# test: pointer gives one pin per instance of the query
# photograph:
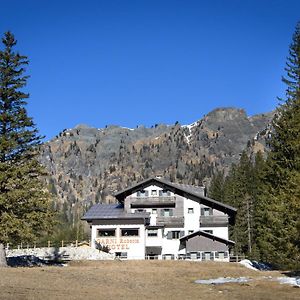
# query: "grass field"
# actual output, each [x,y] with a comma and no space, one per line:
[139,280]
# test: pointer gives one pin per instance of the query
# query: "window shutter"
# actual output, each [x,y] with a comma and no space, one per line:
[162,212]
[216,254]
[211,255]
[203,255]
[198,255]
[169,235]
[171,212]
[210,211]
[202,211]
[225,254]
[181,233]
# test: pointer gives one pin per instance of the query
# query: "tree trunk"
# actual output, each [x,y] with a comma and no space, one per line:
[249,226]
[3,262]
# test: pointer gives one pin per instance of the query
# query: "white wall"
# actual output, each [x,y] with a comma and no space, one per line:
[221,232]
[133,245]
[191,221]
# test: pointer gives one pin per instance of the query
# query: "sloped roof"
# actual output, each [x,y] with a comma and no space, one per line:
[111,211]
[208,235]
[181,189]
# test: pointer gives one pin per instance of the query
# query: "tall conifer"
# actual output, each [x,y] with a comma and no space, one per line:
[24,202]
[279,208]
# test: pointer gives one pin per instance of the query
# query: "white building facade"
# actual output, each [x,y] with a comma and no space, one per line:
[157,219]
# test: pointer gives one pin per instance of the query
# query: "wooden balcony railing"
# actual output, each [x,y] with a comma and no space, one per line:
[173,221]
[153,201]
[213,220]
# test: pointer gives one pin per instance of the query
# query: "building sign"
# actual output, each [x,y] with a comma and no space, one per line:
[117,244]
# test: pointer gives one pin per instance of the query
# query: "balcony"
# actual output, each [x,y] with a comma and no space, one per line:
[142,202]
[213,220]
[172,221]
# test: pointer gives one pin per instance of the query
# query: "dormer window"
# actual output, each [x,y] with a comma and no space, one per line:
[153,192]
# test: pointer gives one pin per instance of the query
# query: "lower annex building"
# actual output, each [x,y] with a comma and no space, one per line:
[158,219]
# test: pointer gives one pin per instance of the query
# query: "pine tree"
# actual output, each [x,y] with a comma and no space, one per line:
[238,193]
[239,189]
[279,208]
[216,189]
[24,202]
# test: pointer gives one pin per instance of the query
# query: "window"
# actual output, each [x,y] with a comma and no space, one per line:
[129,232]
[152,232]
[164,193]
[207,255]
[206,211]
[153,192]
[167,212]
[173,235]
[140,210]
[190,210]
[208,231]
[154,211]
[107,232]
[142,193]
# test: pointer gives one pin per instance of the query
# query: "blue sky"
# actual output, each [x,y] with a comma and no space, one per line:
[145,62]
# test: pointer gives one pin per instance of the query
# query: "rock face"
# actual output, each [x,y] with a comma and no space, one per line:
[87,165]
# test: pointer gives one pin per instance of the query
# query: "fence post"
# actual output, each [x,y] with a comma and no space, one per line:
[62,243]
[76,243]
[48,244]
[34,245]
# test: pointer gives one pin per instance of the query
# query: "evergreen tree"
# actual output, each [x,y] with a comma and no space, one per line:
[24,202]
[216,189]
[239,189]
[279,208]
[238,193]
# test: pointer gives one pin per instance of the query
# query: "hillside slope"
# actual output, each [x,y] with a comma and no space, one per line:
[87,165]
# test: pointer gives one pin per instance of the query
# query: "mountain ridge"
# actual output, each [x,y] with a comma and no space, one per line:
[87,165]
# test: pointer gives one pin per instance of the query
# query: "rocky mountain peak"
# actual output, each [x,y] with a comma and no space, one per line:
[86,164]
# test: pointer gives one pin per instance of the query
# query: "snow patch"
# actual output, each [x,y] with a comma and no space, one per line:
[189,127]
[79,253]
[131,129]
[295,281]
[222,280]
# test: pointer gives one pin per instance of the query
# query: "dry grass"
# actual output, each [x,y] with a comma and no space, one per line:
[139,280]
